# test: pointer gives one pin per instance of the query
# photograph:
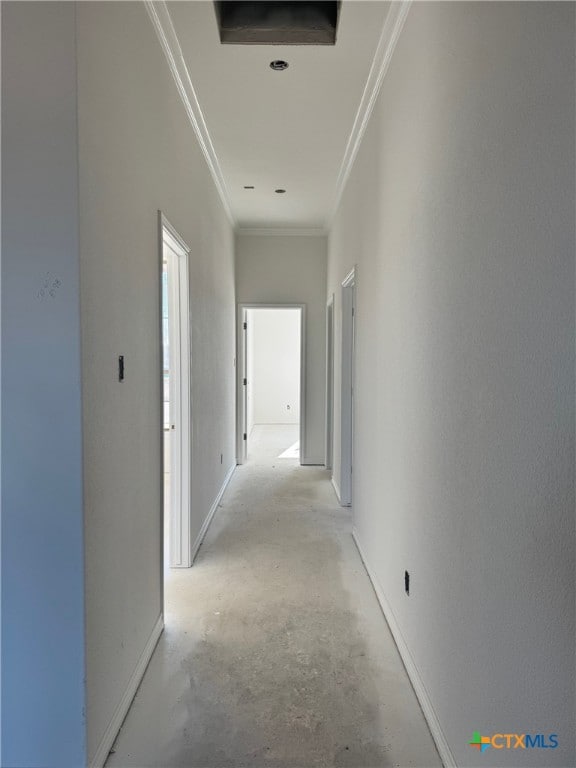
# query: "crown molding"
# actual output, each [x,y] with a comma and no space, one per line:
[282,231]
[391,30]
[164,27]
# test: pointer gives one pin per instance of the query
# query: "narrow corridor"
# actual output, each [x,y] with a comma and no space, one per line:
[275,651]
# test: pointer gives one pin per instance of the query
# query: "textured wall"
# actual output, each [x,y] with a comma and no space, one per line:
[276,269]
[460,215]
[138,154]
[275,353]
[42,518]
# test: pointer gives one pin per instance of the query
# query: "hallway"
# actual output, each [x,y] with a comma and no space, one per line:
[275,651]
[425,153]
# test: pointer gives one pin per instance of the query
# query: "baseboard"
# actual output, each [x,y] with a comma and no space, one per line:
[419,689]
[336,489]
[312,462]
[122,709]
[210,515]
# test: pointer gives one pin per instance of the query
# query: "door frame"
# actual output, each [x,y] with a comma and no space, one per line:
[180,553]
[241,368]
[347,389]
[329,448]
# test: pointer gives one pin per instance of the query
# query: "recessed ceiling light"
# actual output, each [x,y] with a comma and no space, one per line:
[279,191]
[278,65]
[248,187]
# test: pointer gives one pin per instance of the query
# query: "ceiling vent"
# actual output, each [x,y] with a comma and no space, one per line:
[277,22]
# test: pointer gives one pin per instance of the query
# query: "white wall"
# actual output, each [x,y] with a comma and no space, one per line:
[137,155]
[460,214]
[42,539]
[292,269]
[275,363]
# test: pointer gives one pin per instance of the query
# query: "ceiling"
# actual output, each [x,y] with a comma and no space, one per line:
[279,130]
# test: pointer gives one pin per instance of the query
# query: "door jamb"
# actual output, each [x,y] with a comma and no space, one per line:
[182,558]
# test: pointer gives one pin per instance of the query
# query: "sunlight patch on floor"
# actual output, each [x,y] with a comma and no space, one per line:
[291,453]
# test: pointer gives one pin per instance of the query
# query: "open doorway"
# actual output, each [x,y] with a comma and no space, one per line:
[271,366]
[175,397]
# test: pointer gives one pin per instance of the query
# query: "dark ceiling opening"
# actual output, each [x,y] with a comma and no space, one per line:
[277,22]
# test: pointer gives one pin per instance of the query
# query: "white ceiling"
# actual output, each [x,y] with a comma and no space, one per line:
[287,129]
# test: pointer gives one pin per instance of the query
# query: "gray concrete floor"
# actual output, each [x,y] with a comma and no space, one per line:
[275,651]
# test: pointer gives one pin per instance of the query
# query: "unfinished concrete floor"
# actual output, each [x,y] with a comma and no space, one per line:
[275,651]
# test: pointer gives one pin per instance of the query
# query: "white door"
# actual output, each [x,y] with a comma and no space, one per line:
[245,354]
[242,419]
[175,256]
[347,390]
[329,383]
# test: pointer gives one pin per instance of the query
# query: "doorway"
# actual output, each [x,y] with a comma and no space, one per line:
[175,397]
[270,381]
[329,449]
[347,389]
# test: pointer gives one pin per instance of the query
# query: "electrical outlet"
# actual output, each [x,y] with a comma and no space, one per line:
[407,582]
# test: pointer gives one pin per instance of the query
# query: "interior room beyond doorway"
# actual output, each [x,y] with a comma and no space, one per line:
[273,376]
